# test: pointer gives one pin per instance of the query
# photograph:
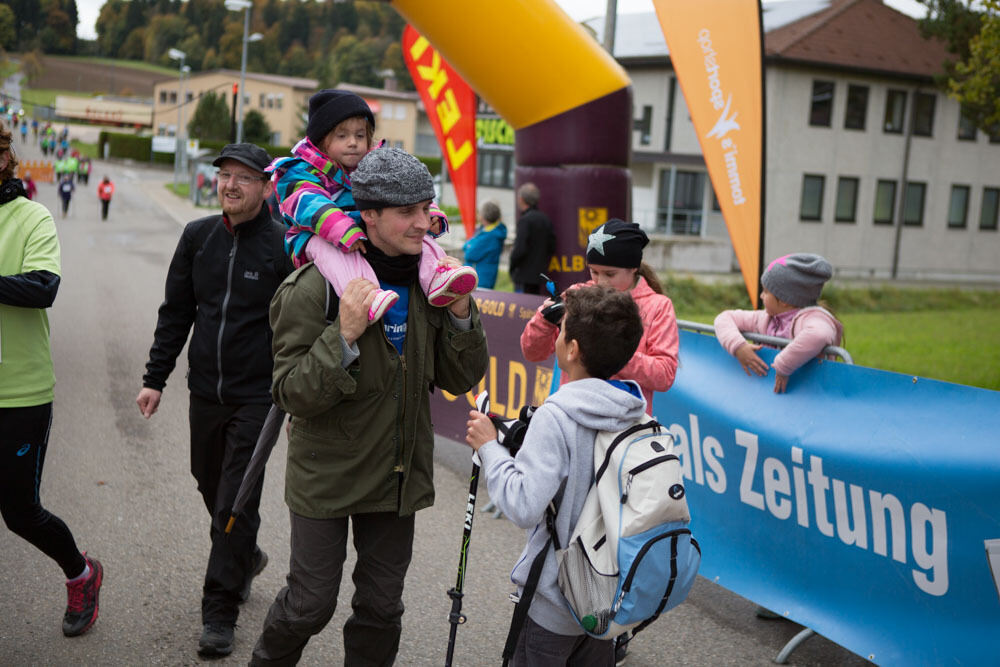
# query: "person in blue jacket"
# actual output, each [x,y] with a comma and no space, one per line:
[482,251]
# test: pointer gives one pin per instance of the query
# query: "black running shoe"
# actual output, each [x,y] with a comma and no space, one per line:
[259,563]
[216,640]
[81,605]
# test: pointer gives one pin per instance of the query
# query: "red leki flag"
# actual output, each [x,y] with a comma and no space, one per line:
[451,107]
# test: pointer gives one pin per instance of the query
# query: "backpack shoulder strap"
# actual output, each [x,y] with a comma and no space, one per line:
[531,584]
[332,308]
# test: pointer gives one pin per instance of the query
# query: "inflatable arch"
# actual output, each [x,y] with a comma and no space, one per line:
[540,92]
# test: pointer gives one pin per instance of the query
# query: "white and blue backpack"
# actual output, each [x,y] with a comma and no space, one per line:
[631,555]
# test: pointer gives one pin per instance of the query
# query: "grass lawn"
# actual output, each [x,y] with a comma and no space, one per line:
[954,345]
[86,150]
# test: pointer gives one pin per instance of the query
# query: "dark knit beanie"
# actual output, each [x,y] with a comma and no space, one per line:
[388,177]
[329,107]
[617,243]
[797,279]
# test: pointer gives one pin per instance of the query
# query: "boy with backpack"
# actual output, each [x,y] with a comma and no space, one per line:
[598,336]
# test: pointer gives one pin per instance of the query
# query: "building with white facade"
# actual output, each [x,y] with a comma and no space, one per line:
[852,114]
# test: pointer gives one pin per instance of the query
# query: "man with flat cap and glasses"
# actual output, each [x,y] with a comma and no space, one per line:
[221,279]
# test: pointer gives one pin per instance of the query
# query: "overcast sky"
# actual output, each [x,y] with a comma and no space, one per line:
[577,9]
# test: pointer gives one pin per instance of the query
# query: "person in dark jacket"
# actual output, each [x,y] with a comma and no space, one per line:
[361,444]
[534,242]
[223,274]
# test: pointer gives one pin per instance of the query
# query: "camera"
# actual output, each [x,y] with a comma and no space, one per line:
[510,432]
[553,313]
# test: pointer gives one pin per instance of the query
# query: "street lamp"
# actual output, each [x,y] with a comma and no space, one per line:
[236,5]
[177,54]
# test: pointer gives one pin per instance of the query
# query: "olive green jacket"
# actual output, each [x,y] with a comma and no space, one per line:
[361,438]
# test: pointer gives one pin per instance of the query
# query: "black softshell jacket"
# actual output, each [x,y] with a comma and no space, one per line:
[221,281]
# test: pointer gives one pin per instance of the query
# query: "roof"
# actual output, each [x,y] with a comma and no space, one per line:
[290,81]
[859,34]
[362,91]
[855,34]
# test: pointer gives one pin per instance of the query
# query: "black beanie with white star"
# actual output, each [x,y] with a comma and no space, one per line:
[617,243]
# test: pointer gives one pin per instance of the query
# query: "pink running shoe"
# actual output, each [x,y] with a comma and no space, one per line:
[451,282]
[81,606]
[384,300]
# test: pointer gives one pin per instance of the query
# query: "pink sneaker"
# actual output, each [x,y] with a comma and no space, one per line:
[451,282]
[81,606]
[384,300]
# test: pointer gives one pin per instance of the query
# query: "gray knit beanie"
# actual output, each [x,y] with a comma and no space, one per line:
[797,279]
[388,177]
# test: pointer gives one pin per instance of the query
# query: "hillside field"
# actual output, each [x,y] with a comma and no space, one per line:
[95,76]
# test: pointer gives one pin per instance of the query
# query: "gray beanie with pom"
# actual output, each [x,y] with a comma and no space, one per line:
[388,177]
[797,279]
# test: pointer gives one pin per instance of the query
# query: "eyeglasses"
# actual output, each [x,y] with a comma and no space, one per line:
[241,179]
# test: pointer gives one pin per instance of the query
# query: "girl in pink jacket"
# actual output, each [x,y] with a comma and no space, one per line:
[614,257]
[792,285]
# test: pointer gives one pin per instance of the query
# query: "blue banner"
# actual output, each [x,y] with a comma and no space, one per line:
[857,503]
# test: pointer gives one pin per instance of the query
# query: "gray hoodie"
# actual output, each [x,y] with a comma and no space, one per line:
[558,447]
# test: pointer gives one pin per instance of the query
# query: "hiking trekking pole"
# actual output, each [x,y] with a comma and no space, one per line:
[456,617]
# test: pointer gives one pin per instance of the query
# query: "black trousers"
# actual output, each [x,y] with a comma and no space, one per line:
[222,440]
[384,544]
[24,439]
[104,208]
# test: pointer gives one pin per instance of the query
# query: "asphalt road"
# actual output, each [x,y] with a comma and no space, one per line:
[122,484]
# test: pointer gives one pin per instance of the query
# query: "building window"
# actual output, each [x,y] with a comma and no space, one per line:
[163,97]
[400,112]
[188,96]
[173,97]
[715,202]
[263,100]
[680,205]
[822,104]
[847,199]
[966,128]
[923,114]
[812,197]
[857,107]
[278,100]
[991,206]
[885,202]
[913,204]
[895,111]
[958,206]
[642,125]
[495,168]
[270,101]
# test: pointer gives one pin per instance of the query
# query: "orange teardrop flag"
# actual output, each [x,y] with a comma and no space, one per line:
[715,49]
[451,108]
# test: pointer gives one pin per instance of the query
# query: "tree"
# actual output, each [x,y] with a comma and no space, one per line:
[975,80]
[8,29]
[255,128]
[211,120]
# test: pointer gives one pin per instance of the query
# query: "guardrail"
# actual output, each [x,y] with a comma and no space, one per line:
[829,350]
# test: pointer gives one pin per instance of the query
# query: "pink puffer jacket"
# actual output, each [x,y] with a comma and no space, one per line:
[654,364]
[813,328]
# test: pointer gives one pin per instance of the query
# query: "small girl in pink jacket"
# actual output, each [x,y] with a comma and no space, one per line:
[792,285]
